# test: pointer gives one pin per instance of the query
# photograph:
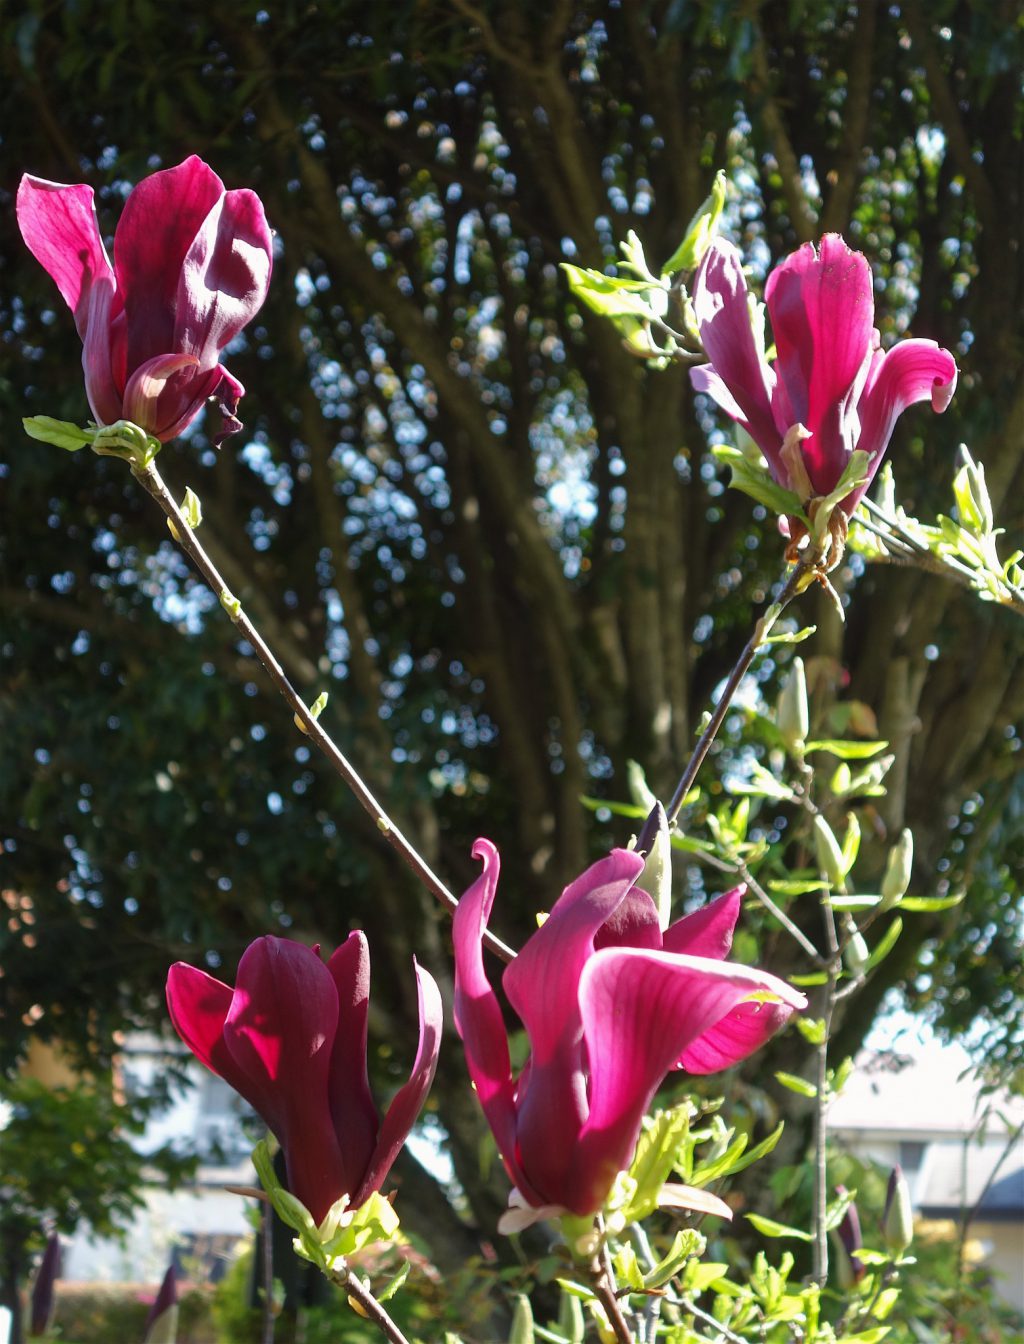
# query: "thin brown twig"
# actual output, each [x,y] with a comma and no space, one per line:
[371,1308]
[153,483]
[800,577]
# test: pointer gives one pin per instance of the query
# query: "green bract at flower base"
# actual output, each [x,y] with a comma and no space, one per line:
[122,439]
[342,1232]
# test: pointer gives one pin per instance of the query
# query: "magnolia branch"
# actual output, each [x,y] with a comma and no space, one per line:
[151,480]
[369,1306]
[801,577]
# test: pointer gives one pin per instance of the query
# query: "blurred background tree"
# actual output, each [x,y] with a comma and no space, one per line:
[460,506]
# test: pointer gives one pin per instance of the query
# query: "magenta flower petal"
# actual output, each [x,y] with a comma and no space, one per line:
[408,1100]
[641,1010]
[224,277]
[159,225]
[912,371]
[542,986]
[822,312]
[280,1032]
[722,314]
[541,982]
[478,1018]
[192,265]
[351,1103]
[706,932]
[198,1005]
[60,227]
[606,1024]
[828,377]
[633,923]
[742,1031]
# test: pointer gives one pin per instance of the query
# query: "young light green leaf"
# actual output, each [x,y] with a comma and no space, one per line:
[627,1268]
[612,297]
[847,750]
[812,978]
[392,1286]
[702,1274]
[661,1139]
[757,483]
[759,1150]
[811,1029]
[926,905]
[769,1228]
[791,636]
[59,433]
[794,886]
[885,944]
[699,232]
[795,1084]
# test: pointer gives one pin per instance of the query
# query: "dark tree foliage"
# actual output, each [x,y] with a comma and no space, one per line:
[458,504]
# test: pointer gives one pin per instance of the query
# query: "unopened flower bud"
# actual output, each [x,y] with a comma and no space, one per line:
[828,852]
[898,1219]
[791,713]
[897,870]
[856,954]
[522,1322]
[848,1238]
[571,1322]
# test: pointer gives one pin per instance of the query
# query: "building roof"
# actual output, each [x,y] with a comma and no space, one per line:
[920,1090]
[943,1192]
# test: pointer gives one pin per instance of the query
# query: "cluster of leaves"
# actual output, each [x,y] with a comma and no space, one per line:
[964,545]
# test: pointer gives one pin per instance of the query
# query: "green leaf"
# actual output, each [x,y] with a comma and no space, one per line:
[924,905]
[847,750]
[885,944]
[612,297]
[769,1228]
[794,886]
[703,1274]
[813,978]
[795,1084]
[59,433]
[811,1029]
[656,1151]
[756,482]
[616,809]
[759,1150]
[791,636]
[627,1268]
[392,1286]
[699,232]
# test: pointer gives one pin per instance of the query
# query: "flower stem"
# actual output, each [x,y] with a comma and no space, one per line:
[371,1308]
[822,1101]
[606,1296]
[800,577]
[153,483]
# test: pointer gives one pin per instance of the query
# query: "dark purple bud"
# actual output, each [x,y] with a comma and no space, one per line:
[898,1219]
[850,1270]
[161,1323]
[41,1314]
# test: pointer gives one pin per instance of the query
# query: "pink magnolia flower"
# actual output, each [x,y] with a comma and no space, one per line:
[830,389]
[291,1039]
[191,267]
[610,1004]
